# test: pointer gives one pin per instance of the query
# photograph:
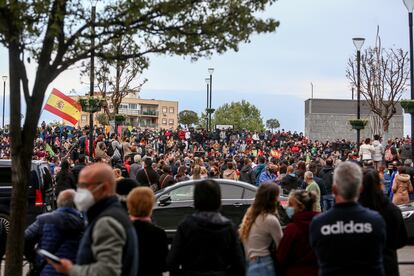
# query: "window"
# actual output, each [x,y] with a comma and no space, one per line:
[182,193]
[5,176]
[249,194]
[171,109]
[84,118]
[171,121]
[123,106]
[133,106]
[164,121]
[231,191]
[164,109]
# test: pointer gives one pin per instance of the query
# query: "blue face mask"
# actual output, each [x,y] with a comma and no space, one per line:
[290,211]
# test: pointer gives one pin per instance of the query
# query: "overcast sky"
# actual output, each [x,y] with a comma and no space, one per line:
[274,71]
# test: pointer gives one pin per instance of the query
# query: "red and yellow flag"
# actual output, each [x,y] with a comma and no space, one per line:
[63,106]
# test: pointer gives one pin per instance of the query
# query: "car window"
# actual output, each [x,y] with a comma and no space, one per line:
[249,194]
[231,191]
[182,193]
[5,176]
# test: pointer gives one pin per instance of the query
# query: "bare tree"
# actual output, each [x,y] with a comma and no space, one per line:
[384,75]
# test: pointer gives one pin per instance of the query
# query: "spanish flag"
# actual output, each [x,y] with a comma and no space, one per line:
[63,106]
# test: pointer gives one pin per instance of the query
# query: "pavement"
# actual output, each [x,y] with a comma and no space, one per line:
[405,254]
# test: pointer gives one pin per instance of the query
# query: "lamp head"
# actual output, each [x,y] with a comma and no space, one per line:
[358,42]
[409,4]
[210,71]
[207,80]
[4,78]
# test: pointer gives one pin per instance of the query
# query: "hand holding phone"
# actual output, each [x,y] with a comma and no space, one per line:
[46,254]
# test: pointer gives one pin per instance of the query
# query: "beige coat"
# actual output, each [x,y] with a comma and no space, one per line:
[230,174]
[401,187]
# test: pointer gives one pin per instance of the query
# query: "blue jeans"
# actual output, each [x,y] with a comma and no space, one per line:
[328,202]
[261,266]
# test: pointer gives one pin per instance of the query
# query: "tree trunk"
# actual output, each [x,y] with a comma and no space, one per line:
[385,125]
[21,163]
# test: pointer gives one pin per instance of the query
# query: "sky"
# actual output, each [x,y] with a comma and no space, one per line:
[273,71]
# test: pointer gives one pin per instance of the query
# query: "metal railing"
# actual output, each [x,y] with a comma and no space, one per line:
[136,112]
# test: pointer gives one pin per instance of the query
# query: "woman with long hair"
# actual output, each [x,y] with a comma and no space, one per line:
[181,174]
[373,198]
[65,178]
[294,254]
[259,229]
[196,173]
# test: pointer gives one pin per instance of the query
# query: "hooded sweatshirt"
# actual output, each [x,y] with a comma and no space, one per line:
[247,174]
[206,243]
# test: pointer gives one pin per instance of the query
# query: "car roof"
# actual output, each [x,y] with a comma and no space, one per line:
[220,181]
[8,162]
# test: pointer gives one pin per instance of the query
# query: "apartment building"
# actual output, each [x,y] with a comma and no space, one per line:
[144,113]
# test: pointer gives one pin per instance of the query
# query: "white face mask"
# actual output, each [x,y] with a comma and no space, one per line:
[84,198]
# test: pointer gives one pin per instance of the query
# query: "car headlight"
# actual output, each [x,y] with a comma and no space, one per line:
[407,214]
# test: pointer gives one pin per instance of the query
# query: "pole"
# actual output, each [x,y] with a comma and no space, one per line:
[4,99]
[211,92]
[358,95]
[92,76]
[410,23]
[311,90]
[208,93]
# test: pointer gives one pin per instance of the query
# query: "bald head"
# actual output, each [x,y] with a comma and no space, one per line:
[65,199]
[98,173]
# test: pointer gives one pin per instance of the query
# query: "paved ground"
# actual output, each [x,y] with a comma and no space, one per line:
[406,254]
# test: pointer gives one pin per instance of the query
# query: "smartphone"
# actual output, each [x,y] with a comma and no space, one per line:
[48,255]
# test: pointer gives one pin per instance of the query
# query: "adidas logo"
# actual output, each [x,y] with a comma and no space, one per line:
[346,228]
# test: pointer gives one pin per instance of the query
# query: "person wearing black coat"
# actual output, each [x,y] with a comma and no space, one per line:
[373,198]
[65,178]
[153,243]
[206,243]
[247,174]
[147,176]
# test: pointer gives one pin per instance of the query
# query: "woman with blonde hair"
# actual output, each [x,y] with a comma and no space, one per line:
[196,173]
[259,229]
[153,244]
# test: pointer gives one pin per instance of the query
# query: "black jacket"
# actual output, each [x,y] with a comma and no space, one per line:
[65,180]
[206,243]
[327,176]
[349,240]
[396,234]
[248,175]
[289,182]
[152,248]
[152,178]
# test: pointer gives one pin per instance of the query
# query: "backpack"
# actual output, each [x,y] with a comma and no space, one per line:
[110,149]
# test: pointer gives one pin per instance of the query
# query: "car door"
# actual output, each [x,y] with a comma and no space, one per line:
[5,189]
[233,204]
[168,216]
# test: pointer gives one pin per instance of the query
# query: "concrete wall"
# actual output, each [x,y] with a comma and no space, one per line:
[327,119]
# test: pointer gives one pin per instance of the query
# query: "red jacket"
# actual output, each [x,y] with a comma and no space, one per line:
[294,253]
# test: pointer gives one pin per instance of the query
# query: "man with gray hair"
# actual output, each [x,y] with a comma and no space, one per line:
[58,232]
[348,239]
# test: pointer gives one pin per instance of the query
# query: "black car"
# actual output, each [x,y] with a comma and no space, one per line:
[174,203]
[407,211]
[39,196]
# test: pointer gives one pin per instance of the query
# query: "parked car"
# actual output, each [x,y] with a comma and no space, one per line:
[40,197]
[175,202]
[407,211]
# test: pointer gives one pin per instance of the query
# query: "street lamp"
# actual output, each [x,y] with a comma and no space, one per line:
[358,42]
[208,93]
[210,71]
[4,96]
[409,4]
[92,77]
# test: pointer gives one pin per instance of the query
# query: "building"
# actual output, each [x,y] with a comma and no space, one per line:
[144,113]
[328,119]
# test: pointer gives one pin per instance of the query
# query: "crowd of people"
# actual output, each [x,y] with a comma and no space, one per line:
[341,215]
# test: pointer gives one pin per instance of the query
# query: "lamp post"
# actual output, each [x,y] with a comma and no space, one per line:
[210,71]
[208,95]
[4,97]
[409,4]
[358,42]
[92,78]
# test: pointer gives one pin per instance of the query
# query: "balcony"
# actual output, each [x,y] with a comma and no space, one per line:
[136,112]
[148,126]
